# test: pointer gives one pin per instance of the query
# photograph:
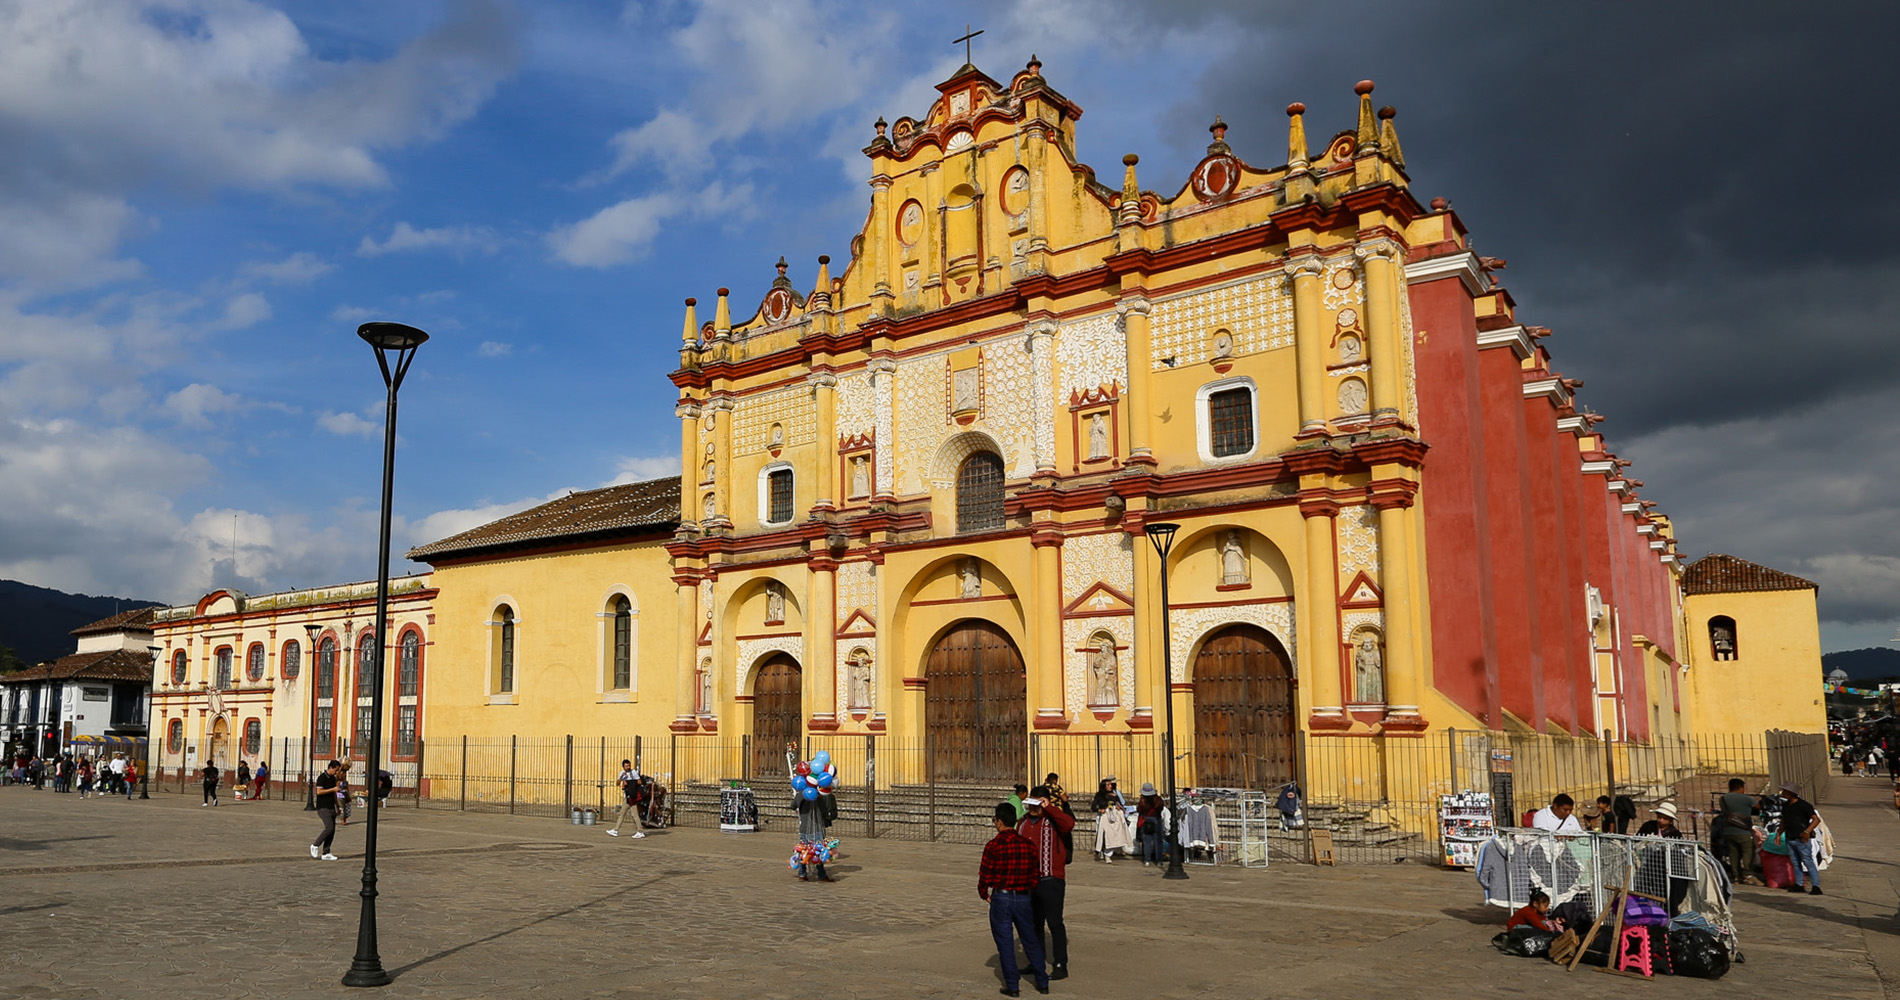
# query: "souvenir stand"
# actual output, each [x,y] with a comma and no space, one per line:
[1465,822]
[738,809]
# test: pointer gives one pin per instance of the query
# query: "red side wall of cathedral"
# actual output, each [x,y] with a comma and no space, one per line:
[1515,529]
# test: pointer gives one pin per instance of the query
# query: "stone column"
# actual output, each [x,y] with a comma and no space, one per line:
[1403,666]
[1149,642]
[1319,636]
[1042,350]
[1387,353]
[824,387]
[1134,315]
[686,657]
[692,456]
[721,410]
[1310,341]
[821,649]
[883,262]
[1045,629]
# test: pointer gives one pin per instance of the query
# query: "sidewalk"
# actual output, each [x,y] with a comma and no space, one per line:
[226,902]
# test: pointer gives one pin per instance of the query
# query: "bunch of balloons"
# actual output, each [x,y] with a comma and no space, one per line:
[814,854]
[814,777]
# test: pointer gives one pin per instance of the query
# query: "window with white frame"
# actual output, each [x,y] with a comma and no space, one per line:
[776,483]
[1227,419]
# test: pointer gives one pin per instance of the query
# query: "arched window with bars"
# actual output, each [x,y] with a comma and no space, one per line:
[980,492]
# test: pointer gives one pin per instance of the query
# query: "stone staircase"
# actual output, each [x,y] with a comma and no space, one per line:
[962,814]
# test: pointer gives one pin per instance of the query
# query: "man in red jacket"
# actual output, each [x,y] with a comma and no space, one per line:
[1047,828]
[1005,880]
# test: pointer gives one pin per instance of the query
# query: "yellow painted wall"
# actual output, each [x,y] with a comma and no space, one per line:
[563,660]
[1775,680]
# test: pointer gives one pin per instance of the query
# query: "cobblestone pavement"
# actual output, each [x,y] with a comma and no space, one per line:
[110,898]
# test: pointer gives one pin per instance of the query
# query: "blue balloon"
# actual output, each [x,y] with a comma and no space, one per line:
[809,792]
[825,779]
[819,761]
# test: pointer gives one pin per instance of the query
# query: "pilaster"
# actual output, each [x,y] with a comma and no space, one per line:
[1309,344]
[1134,311]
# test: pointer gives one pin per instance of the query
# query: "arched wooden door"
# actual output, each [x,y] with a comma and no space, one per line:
[976,705]
[777,714]
[1243,710]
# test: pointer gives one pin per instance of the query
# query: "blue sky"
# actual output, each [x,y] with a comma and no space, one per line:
[200,199]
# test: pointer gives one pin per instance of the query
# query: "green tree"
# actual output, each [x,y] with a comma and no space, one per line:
[9,662]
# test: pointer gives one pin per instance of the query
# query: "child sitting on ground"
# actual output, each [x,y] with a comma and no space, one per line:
[1536,914]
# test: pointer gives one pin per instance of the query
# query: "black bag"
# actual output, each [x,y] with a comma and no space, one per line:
[1697,953]
[1524,942]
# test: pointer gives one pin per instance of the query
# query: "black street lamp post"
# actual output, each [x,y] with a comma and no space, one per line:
[310,633]
[145,771]
[400,341]
[1161,535]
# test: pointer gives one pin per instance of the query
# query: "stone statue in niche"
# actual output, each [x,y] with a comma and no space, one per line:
[1223,345]
[1350,348]
[1368,670]
[963,391]
[970,575]
[1233,560]
[777,438]
[860,476]
[1104,673]
[860,678]
[709,472]
[774,602]
[705,686]
[1352,397]
[1098,435]
[708,508]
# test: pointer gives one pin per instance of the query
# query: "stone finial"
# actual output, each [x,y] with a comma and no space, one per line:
[1131,188]
[1389,135]
[722,314]
[1296,157]
[1440,204]
[1368,135]
[690,335]
[1034,66]
[823,285]
[1219,146]
[880,125]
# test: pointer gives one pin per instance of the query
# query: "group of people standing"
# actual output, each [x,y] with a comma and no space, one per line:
[1118,832]
[79,773]
[1024,878]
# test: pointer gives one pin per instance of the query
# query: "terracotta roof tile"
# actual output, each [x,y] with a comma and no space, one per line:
[633,508]
[1721,574]
[109,665]
[137,618]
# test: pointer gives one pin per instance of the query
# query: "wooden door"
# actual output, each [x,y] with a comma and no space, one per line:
[777,714]
[976,706]
[1243,710]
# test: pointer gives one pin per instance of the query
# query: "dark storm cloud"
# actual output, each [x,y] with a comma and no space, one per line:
[1695,197]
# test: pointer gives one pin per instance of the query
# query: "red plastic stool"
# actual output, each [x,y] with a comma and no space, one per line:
[1634,957]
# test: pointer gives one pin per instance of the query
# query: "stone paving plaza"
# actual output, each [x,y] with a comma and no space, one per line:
[114,899]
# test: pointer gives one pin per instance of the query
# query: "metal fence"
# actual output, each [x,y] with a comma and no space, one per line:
[1377,799]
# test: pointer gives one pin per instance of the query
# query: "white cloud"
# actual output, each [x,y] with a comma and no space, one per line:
[624,231]
[195,404]
[350,314]
[349,423]
[460,239]
[494,349]
[102,99]
[248,309]
[299,268]
[634,470]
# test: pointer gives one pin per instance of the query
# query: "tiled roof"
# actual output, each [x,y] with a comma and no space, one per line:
[110,665]
[1720,574]
[634,508]
[137,618]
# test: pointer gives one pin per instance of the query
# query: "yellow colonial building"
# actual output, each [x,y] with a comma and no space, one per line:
[918,497]
[1754,646]
[284,678]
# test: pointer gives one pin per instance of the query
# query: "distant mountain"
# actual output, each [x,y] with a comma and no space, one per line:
[1871,664]
[37,623]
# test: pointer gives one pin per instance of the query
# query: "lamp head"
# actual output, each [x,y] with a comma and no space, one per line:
[391,336]
[311,631]
[1161,534]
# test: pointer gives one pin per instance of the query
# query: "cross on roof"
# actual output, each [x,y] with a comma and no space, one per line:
[967,35]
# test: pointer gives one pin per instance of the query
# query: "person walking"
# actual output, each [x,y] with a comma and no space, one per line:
[327,784]
[1046,828]
[629,782]
[131,779]
[243,783]
[1111,821]
[260,780]
[117,770]
[815,816]
[1151,825]
[385,783]
[1798,823]
[1054,797]
[210,773]
[1005,880]
[1735,832]
[85,778]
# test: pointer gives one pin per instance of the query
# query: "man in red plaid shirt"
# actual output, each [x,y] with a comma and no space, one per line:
[1007,877]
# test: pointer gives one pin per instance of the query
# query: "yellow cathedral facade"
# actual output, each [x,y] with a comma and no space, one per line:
[918,498]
